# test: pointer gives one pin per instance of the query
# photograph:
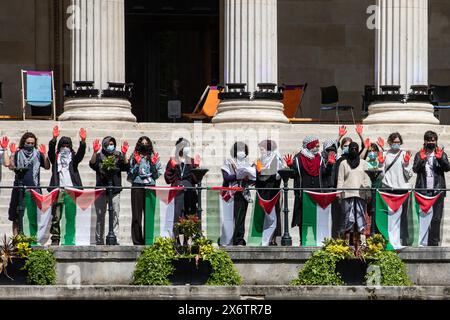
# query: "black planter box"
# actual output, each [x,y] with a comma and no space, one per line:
[188,272]
[352,271]
[19,277]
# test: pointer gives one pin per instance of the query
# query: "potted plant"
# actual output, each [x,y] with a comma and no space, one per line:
[109,165]
[13,255]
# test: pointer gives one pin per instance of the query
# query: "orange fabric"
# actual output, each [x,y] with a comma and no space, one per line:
[291,101]
[212,101]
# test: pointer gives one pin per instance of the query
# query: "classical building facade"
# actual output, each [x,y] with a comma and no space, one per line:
[173,49]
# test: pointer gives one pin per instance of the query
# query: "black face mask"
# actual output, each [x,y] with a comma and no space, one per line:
[144,148]
[430,146]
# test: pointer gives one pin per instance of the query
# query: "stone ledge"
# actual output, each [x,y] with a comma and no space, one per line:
[105,292]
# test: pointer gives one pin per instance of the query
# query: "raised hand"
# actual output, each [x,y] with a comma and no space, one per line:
[55,132]
[155,158]
[83,134]
[13,147]
[439,152]
[197,160]
[423,154]
[342,131]
[381,159]
[137,157]
[172,162]
[380,142]
[359,129]
[125,147]
[332,157]
[4,143]
[96,145]
[42,149]
[407,157]
[259,166]
[367,143]
[289,161]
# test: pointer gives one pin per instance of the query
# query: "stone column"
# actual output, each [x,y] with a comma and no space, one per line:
[98,54]
[250,57]
[401,58]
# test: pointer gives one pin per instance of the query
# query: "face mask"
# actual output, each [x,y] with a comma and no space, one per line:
[240,155]
[345,150]
[111,148]
[315,150]
[372,156]
[395,146]
[186,152]
[64,150]
[28,146]
[430,146]
[145,148]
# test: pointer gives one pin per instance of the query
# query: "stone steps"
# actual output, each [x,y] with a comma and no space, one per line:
[216,141]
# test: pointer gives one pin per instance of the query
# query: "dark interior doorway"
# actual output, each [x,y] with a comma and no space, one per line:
[171,53]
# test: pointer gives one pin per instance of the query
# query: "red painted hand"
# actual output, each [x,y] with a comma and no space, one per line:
[96,145]
[155,158]
[4,143]
[380,142]
[137,157]
[332,158]
[342,131]
[125,147]
[367,143]
[83,134]
[381,159]
[42,149]
[289,161]
[407,157]
[55,132]
[423,154]
[439,152]
[13,147]
[359,129]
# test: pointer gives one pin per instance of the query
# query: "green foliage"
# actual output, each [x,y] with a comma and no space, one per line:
[154,265]
[189,226]
[320,268]
[392,269]
[109,163]
[224,273]
[41,267]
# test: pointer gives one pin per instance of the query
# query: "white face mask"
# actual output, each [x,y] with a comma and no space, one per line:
[315,150]
[240,155]
[186,152]
[64,150]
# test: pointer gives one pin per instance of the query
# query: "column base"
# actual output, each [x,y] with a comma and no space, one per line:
[250,111]
[97,109]
[396,112]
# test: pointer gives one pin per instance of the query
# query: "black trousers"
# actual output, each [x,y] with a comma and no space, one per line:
[434,236]
[137,208]
[240,212]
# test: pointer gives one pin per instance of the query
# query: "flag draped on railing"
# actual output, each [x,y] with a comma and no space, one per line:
[264,220]
[220,214]
[316,221]
[159,212]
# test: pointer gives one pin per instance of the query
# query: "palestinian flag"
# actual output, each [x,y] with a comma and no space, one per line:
[316,220]
[78,217]
[38,214]
[264,221]
[220,214]
[422,213]
[159,212]
[389,209]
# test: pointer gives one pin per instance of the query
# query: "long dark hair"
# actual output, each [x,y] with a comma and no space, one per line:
[138,147]
[25,137]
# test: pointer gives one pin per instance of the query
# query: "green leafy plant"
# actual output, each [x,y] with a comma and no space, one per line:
[154,265]
[320,268]
[190,226]
[14,248]
[41,267]
[109,163]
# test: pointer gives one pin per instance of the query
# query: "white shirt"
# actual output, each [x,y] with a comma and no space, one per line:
[429,170]
[399,174]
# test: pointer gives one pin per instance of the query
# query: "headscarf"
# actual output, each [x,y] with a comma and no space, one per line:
[179,146]
[328,143]
[310,162]
[353,155]
[270,159]
[25,158]
[64,157]
[105,143]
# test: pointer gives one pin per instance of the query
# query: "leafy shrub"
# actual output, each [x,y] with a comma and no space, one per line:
[41,267]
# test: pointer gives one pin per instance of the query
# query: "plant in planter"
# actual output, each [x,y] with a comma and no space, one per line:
[163,264]
[109,165]
[188,228]
[337,264]
[13,253]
